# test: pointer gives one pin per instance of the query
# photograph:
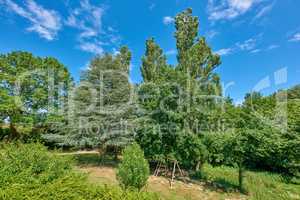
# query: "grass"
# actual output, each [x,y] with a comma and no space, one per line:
[93,160]
[216,182]
[104,172]
[259,185]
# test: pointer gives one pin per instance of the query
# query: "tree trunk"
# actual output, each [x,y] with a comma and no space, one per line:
[102,152]
[116,152]
[241,178]
[198,166]
[14,135]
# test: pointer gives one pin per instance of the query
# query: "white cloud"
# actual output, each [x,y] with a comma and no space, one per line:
[87,18]
[91,47]
[115,52]
[256,51]
[228,9]
[211,34]
[171,52]
[225,51]
[265,10]
[168,20]
[86,66]
[247,45]
[295,38]
[45,22]
[273,46]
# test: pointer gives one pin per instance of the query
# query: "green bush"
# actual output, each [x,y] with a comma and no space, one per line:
[264,149]
[133,171]
[72,187]
[31,163]
[216,145]
[192,153]
[30,172]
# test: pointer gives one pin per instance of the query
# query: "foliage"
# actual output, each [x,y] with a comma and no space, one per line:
[133,171]
[102,109]
[26,164]
[193,153]
[153,62]
[177,113]
[255,149]
[175,100]
[265,141]
[260,185]
[275,135]
[4,132]
[216,143]
[31,172]
[31,89]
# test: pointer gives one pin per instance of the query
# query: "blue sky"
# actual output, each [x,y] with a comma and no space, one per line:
[256,38]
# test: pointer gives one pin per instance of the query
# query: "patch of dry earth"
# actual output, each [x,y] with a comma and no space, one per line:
[161,185]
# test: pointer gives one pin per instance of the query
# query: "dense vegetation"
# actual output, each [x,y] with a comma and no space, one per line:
[33,91]
[31,172]
[178,113]
[259,185]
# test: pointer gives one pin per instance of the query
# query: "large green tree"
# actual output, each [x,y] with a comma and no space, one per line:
[176,100]
[265,133]
[103,109]
[32,90]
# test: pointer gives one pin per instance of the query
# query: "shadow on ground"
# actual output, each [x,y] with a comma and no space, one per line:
[95,160]
[101,169]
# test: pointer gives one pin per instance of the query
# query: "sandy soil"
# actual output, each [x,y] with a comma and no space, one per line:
[180,190]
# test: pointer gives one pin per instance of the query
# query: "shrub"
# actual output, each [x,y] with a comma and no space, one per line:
[133,171]
[193,153]
[72,187]
[30,163]
[30,172]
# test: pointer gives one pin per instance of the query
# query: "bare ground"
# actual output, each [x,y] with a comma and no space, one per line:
[161,185]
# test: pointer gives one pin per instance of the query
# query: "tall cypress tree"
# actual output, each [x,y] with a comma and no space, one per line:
[153,61]
[177,95]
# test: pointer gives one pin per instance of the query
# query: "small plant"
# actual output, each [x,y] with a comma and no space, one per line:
[133,171]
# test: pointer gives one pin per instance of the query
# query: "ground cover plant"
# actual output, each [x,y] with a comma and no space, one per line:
[29,171]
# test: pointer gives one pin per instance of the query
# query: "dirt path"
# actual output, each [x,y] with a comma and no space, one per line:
[180,191]
[79,153]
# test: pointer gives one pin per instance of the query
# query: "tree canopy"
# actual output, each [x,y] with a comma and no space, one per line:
[33,90]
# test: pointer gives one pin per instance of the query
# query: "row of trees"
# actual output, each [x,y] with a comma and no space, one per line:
[177,113]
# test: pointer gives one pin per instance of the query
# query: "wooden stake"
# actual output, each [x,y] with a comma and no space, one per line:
[166,170]
[173,174]
[157,169]
[181,173]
